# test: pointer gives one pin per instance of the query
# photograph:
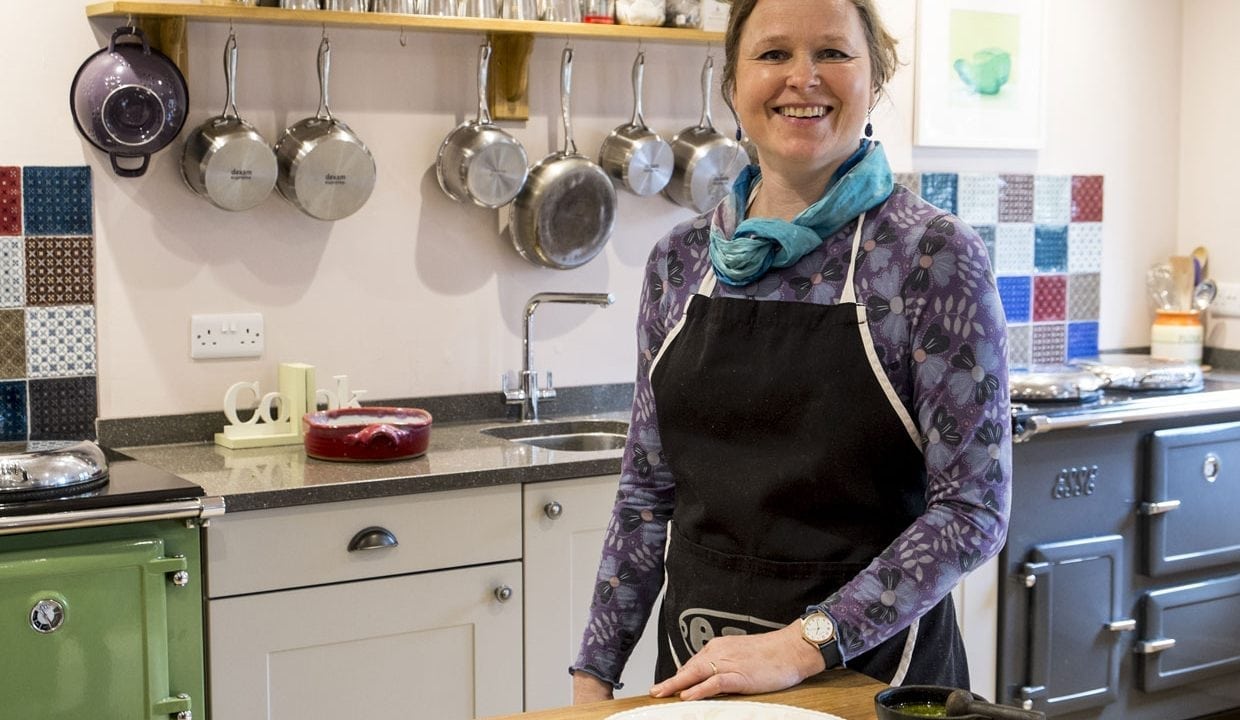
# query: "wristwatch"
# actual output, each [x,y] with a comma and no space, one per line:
[818,629]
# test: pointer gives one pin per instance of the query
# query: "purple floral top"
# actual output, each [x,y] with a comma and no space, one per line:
[939,332]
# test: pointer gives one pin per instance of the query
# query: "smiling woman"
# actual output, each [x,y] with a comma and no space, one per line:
[821,383]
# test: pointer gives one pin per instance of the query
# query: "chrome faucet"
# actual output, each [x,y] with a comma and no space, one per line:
[528,395]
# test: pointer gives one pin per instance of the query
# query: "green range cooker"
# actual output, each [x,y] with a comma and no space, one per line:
[101,591]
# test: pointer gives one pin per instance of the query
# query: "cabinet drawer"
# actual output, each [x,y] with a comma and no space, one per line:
[1191,493]
[309,544]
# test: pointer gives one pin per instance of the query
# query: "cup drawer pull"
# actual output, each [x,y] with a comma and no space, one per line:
[372,538]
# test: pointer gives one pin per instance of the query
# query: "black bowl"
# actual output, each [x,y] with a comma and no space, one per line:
[887,701]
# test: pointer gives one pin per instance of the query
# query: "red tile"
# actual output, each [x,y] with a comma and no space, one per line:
[10,201]
[1050,294]
[1086,198]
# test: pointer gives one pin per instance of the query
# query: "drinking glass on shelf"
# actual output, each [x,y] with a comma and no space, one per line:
[477,8]
[560,10]
[406,7]
[345,5]
[300,4]
[519,9]
[437,7]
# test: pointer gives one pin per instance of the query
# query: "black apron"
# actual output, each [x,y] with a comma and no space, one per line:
[795,466]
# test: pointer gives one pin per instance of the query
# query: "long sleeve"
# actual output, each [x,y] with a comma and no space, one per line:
[631,569]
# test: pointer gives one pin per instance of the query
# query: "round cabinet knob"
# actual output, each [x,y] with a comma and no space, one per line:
[553,510]
[503,593]
[1211,467]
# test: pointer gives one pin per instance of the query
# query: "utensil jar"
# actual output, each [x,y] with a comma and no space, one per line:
[1177,335]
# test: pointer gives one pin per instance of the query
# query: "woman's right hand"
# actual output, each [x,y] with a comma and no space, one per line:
[587,688]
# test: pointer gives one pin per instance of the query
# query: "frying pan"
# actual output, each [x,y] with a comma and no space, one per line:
[633,154]
[325,168]
[478,161]
[707,161]
[566,210]
[129,100]
[225,160]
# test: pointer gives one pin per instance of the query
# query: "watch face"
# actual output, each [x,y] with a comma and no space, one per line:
[818,628]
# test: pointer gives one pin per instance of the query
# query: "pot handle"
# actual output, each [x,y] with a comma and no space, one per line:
[230,75]
[325,67]
[566,92]
[484,59]
[708,72]
[129,30]
[379,434]
[639,67]
[129,172]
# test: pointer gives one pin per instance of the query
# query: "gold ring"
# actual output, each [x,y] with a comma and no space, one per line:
[714,670]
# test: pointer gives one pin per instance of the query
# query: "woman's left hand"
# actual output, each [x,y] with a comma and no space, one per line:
[745,665]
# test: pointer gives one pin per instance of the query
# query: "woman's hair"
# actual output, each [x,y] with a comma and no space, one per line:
[882,45]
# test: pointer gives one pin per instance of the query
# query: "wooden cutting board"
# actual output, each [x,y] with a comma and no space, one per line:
[844,693]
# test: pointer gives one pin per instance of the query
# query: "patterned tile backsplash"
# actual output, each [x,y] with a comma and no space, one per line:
[1044,234]
[48,387]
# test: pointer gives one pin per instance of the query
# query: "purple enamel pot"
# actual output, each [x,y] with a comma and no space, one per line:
[129,100]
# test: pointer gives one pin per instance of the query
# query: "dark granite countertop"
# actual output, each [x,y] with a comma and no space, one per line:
[459,456]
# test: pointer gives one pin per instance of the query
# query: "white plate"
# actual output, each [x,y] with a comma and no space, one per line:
[721,710]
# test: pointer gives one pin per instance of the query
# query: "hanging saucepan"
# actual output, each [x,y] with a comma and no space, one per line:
[225,159]
[707,161]
[325,169]
[564,214]
[633,154]
[129,101]
[478,161]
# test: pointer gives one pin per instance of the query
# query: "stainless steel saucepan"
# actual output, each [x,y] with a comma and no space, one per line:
[325,168]
[707,161]
[633,154]
[479,162]
[565,213]
[225,159]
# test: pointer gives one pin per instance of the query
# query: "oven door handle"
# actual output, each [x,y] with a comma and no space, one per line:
[1122,625]
[1149,647]
[202,508]
[1160,507]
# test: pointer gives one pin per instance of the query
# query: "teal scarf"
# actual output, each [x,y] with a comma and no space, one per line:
[758,244]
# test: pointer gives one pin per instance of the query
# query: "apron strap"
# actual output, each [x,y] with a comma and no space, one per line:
[850,295]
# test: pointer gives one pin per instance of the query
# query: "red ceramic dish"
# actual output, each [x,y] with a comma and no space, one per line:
[367,434]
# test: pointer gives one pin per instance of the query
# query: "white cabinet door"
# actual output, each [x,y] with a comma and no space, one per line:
[561,561]
[434,645]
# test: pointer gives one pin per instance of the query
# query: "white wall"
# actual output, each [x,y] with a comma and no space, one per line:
[1210,146]
[416,295]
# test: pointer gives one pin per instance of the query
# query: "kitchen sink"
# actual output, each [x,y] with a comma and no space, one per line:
[571,435]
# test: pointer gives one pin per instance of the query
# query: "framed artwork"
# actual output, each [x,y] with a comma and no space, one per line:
[979,73]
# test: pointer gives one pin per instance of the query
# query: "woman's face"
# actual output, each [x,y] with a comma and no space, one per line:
[803,84]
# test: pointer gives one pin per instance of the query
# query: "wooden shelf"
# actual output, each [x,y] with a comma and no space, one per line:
[164,24]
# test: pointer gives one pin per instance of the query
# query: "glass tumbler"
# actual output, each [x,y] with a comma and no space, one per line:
[519,9]
[560,11]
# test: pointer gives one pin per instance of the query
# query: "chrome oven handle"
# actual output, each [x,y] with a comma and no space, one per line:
[1160,507]
[206,507]
[1149,647]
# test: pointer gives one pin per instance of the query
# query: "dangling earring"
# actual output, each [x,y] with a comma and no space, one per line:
[739,135]
[869,126]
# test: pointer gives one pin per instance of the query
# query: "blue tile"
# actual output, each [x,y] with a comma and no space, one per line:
[13,410]
[940,190]
[57,200]
[987,232]
[1016,293]
[1050,248]
[1082,340]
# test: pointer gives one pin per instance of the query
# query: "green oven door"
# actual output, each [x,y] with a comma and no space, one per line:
[84,631]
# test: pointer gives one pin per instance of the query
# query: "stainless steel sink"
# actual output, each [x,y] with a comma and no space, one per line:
[571,435]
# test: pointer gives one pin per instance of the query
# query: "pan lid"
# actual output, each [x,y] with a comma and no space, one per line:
[1063,383]
[40,469]
[1125,371]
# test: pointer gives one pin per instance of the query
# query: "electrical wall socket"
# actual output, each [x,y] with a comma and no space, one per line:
[236,335]
[1227,302]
